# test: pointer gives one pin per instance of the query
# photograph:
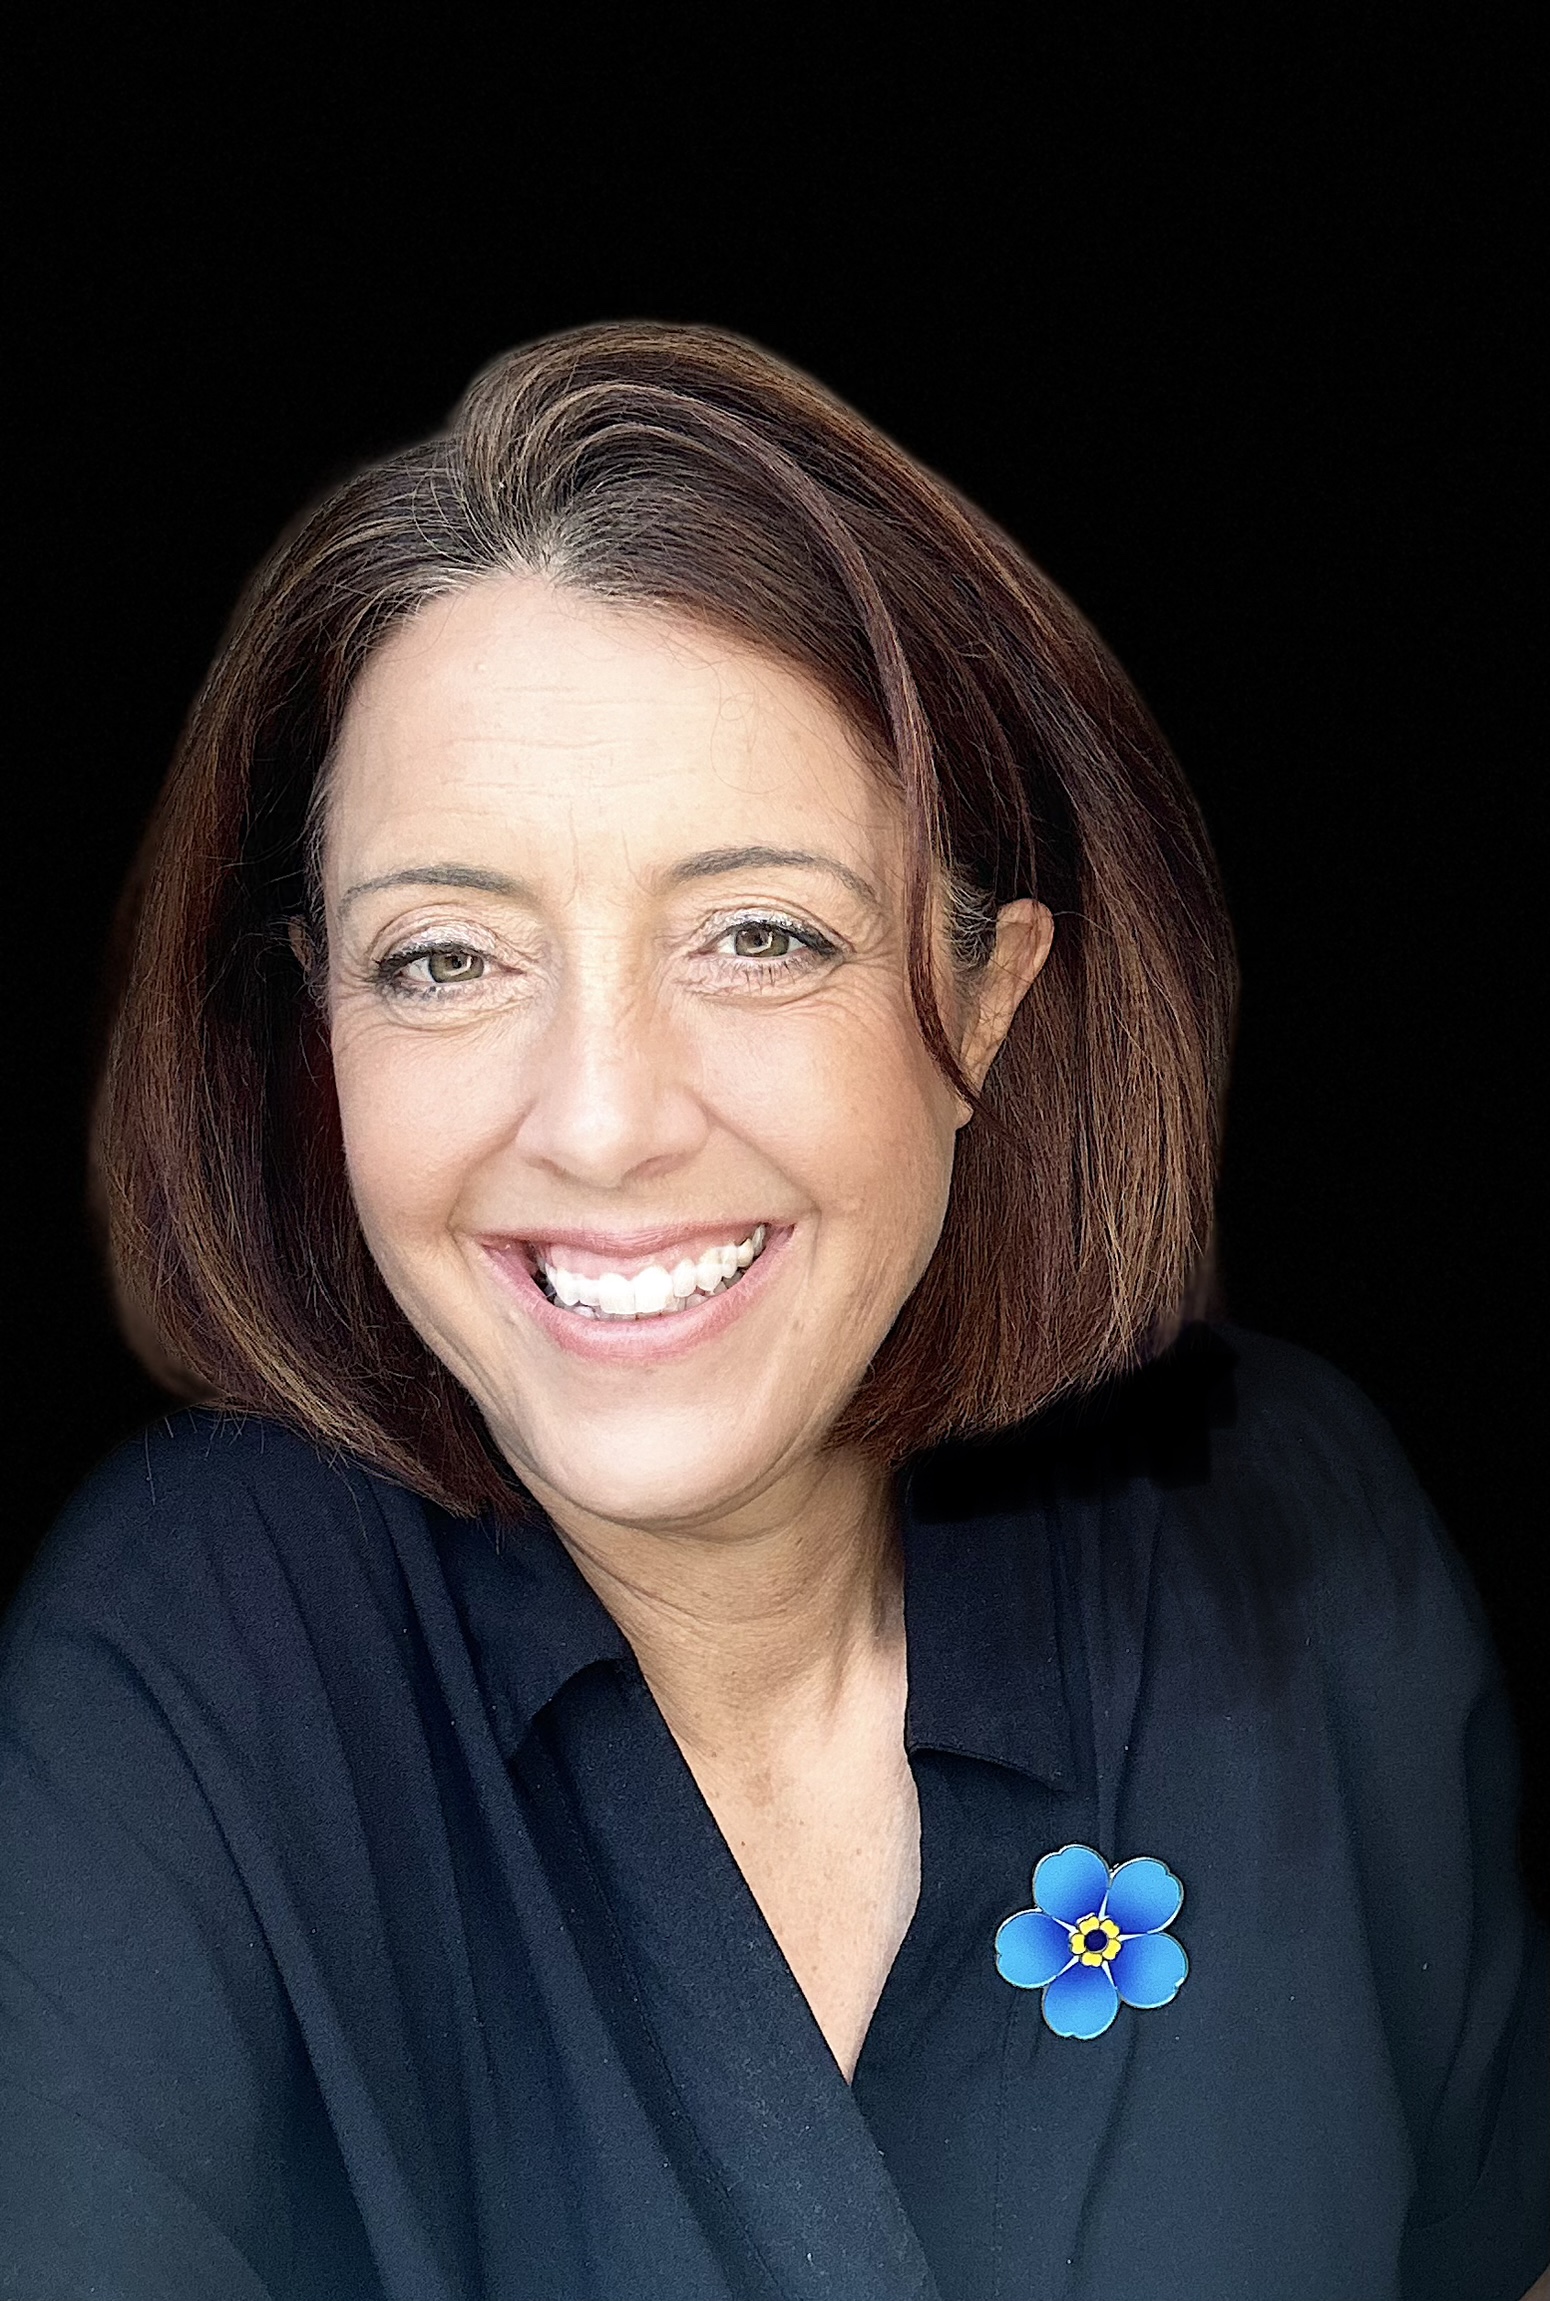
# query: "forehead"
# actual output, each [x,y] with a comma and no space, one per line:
[515,702]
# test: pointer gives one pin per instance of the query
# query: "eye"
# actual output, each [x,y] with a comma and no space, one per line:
[763,939]
[454,966]
[773,946]
[424,969]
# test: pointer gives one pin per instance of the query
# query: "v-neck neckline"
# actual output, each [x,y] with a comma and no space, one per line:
[741,2053]
[779,2132]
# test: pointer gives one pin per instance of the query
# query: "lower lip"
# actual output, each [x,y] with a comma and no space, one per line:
[649,1341]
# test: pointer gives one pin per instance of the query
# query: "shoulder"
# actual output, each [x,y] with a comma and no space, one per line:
[1300,1578]
[1299,1423]
[201,1479]
[1309,1475]
[200,1522]
[1260,1435]
[1393,1713]
[222,1622]
[1259,1490]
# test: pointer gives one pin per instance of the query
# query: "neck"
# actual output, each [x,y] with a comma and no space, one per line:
[765,1619]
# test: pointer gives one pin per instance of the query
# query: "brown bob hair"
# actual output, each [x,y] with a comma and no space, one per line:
[685,468]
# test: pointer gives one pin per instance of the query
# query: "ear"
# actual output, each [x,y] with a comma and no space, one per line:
[303,950]
[1025,932]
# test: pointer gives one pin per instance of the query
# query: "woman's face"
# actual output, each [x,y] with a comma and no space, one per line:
[621,1025]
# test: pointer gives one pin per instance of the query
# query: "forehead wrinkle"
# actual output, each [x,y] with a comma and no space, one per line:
[756,728]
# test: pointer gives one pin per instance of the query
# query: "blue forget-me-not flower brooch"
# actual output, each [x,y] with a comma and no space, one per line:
[1094,1936]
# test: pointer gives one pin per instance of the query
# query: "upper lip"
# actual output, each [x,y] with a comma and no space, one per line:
[630,1245]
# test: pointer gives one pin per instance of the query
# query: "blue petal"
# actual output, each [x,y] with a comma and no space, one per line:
[1143,1895]
[1071,1884]
[1031,1949]
[1081,2002]
[1149,1969]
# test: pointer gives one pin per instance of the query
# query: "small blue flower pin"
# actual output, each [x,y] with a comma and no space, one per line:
[1094,1936]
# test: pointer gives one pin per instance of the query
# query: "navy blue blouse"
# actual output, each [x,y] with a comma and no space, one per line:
[364,1936]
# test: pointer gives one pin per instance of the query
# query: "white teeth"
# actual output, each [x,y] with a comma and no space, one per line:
[654,1292]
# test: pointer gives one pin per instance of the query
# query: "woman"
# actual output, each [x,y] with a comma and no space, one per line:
[749,1703]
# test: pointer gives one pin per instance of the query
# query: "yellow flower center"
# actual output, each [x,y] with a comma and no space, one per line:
[1094,1940]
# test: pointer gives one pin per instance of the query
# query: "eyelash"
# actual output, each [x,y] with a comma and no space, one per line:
[391,971]
[814,946]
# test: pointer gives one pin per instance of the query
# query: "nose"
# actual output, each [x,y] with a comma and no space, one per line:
[611,1088]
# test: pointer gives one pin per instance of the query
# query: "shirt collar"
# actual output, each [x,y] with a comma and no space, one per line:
[984,1671]
[979,1614]
[533,1621]
[981,1599]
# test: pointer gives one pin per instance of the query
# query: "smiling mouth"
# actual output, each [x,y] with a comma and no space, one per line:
[659,1291]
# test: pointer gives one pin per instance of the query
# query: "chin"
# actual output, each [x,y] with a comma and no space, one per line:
[663,1495]
[643,1469]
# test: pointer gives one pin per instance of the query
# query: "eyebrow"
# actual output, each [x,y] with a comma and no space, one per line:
[437,875]
[718,861]
[714,863]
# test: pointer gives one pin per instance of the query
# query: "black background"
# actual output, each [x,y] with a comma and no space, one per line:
[1222,312]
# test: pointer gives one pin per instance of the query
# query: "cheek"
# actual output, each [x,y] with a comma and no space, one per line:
[415,1117]
[854,1112]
